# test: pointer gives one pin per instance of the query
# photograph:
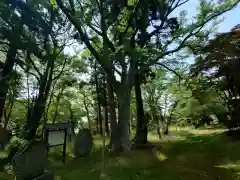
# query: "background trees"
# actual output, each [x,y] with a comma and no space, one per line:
[126,42]
[132,63]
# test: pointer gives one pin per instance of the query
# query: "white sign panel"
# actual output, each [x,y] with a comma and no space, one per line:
[56,138]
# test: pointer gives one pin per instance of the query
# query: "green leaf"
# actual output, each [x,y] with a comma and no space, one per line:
[54,3]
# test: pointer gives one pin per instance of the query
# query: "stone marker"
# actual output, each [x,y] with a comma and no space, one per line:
[83,143]
[30,162]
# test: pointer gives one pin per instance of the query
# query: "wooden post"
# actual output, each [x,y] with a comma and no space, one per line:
[104,142]
[46,134]
[64,146]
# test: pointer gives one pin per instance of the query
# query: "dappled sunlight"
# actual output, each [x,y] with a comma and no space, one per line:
[230,165]
[181,155]
[3,154]
[124,162]
[160,156]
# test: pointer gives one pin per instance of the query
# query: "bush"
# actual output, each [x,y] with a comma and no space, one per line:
[15,145]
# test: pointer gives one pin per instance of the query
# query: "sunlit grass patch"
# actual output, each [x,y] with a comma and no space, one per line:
[3,154]
[183,154]
[233,165]
[160,156]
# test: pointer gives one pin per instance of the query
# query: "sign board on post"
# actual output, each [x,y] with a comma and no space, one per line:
[56,138]
[56,135]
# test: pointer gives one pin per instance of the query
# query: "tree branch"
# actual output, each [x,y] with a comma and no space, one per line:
[104,63]
[192,33]
[33,64]
[60,73]
[166,67]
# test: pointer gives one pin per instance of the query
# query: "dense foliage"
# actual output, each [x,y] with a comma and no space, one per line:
[122,46]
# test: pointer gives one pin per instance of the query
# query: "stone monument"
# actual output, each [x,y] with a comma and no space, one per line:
[83,143]
[30,163]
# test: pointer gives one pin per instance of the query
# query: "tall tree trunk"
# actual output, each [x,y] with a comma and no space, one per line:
[158,123]
[106,120]
[155,117]
[115,135]
[87,111]
[99,118]
[166,131]
[71,113]
[124,98]
[4,77]
[106,107]
[37,110]
[141,129]
[46,113]
[10,108]
[57,104]
[72,120]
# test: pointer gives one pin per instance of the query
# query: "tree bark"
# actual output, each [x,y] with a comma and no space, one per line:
[106,107]
[37,110]
[158,123]
[4,77]
[106,120]
[166,131]
[115,136]
[10,108]
[142,129]
[87,111]
[155,117]
[99,118]
[57,104]
[123,118]
[72,120]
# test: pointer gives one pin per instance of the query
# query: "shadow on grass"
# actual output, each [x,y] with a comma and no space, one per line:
[205,157]
[202,157]
[191,157]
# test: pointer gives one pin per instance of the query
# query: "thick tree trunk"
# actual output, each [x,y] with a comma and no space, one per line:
[142,129]
[161,122]
[87,111]
[158,123]
[33,120]
[4,77]
[7,116]
[106,120]
[123,118]
[57,104]
[35,113]
[99,118]
[155,117]
[72,120]
[165,132]
[106,107]
[115,136]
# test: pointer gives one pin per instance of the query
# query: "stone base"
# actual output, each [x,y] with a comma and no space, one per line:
[48,175]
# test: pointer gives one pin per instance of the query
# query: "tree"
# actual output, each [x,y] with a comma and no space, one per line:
[11,31]
[153,92]
[218,62]
[39,51]
[128,22]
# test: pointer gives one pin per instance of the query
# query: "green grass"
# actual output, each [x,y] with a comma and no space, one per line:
[186,154]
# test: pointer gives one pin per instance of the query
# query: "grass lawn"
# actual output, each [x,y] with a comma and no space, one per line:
[185,154]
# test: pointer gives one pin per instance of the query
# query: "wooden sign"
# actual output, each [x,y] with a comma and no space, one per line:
[56,135]
[56,138]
